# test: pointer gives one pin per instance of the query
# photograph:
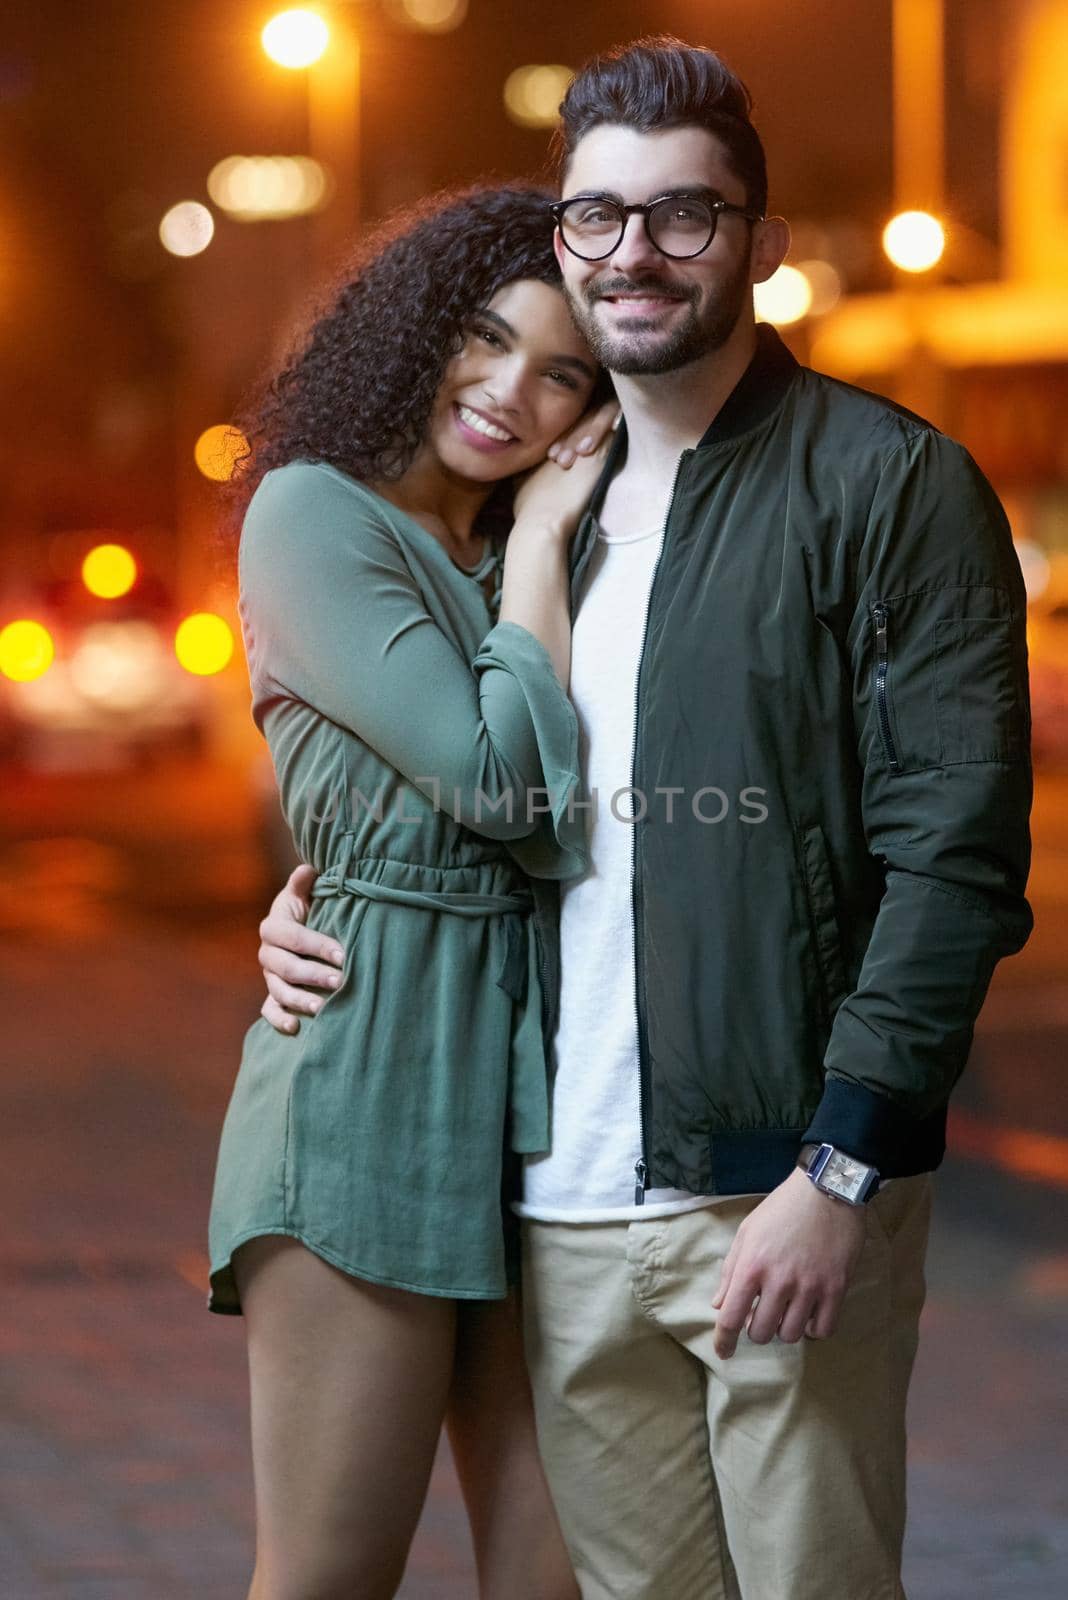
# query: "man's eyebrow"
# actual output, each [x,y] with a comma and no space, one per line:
[683,190]
[561,361]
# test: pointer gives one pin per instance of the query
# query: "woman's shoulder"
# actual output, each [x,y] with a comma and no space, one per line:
[302,481]
[314,505]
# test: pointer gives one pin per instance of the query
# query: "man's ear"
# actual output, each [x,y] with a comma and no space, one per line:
[771,244]
[559,249]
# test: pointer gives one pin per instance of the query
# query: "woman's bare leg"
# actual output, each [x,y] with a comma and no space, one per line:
[348,1386]
[518,1546]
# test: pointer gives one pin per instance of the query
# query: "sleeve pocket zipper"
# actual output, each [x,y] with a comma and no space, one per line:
[881,618]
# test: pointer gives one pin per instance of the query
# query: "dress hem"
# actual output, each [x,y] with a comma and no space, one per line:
[223,1275]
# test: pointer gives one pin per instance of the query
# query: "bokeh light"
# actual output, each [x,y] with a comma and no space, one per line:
[108,571]
[825,283]
[785,298]
[26,650]
[532,95]
[430,16]
[203,643]
[914,241]
[187,228]
[219,450]
[120,665]
[259,188]
[295,38]
[1035,567]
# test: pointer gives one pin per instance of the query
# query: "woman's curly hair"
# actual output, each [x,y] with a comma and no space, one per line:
[359,391]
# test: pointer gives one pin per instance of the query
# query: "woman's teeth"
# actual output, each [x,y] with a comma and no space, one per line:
[471,419]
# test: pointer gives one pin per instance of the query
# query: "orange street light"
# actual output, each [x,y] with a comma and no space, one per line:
[428,16]
[532,95]
[219,451]
[783,298]
[914,241]
[296,38]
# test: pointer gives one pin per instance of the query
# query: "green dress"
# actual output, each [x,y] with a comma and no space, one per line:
[425,760]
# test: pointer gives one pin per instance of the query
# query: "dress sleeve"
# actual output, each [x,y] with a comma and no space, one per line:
[333,617]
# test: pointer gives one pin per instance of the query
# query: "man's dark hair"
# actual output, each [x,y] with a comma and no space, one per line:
[660,82]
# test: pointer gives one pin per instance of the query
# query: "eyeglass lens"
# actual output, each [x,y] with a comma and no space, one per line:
[678,227]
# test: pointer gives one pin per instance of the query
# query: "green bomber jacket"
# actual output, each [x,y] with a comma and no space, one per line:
[832,763]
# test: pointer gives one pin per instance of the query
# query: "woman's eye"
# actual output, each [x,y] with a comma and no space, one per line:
[562,377]
[488,335]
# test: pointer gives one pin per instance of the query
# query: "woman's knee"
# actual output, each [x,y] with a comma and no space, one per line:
[346,1578]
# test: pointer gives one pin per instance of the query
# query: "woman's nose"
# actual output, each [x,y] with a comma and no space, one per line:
[505,387]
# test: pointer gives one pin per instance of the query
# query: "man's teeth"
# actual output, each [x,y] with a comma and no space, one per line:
[471,419]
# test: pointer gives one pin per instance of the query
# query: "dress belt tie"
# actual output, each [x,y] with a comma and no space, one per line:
[514,972]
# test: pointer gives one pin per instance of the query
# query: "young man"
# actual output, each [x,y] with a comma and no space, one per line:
[799,646]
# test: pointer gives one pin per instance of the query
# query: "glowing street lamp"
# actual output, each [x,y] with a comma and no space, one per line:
[296,38]
[914,241]
[204,643]
[26,650]
[784,298]
[532,95]
[428,16]
[219,451]
[108,571]
[187,228]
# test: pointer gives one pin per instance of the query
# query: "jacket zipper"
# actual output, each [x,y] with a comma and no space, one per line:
[641,1166]
[881,618]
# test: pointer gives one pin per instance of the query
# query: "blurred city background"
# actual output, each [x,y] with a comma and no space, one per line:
[178,181]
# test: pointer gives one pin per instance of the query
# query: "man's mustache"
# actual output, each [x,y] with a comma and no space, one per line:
[605,288]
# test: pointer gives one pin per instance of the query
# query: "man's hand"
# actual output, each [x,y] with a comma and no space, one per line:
[291,955]
[796,1251]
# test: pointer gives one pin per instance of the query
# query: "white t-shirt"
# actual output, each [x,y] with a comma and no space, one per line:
[589,1174]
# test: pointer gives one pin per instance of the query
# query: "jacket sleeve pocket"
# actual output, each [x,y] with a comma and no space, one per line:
[947,683]
[978,700]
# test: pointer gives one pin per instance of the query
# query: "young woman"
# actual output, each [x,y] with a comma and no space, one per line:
[357,1215]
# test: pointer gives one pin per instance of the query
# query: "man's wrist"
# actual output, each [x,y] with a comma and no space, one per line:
[837,1174]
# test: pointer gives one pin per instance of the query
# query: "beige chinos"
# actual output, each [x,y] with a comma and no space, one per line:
[778,1474]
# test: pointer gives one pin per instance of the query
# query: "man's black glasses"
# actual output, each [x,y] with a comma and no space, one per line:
[678,225]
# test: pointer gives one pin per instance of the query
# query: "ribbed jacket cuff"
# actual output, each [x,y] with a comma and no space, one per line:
[874,1129]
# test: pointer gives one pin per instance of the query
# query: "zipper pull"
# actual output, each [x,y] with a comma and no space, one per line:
[641,1181]
[881,616]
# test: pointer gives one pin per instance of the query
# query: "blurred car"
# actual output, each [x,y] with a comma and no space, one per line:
[114,694]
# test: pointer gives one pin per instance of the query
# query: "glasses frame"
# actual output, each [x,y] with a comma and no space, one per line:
[716,206]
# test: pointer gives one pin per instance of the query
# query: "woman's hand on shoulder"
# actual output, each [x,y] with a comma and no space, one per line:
[556,494]
[591,431]
[295,960]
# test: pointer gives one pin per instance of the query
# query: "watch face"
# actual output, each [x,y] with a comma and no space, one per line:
[843,1176]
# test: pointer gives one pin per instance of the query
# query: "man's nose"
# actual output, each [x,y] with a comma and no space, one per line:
[635,252]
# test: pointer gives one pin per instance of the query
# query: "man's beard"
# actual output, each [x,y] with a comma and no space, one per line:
[628,353]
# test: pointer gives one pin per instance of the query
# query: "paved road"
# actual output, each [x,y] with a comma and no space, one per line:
[126,979]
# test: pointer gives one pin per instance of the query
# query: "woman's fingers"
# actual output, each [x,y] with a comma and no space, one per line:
[590,432]
[288,998]
[282,933]
[294,969]
[280,1020]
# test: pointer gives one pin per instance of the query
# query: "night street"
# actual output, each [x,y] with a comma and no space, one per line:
[124,1418]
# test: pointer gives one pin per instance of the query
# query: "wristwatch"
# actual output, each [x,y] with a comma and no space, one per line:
[831,1170]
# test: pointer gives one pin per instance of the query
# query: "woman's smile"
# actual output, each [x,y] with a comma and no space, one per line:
[480,430]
